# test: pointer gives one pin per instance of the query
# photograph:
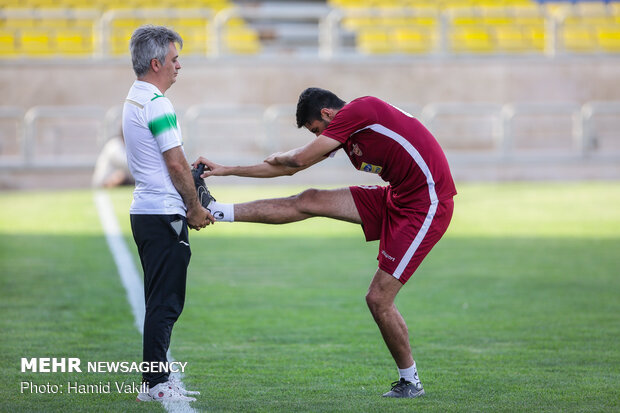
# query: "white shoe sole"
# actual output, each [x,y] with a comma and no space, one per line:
[144,397]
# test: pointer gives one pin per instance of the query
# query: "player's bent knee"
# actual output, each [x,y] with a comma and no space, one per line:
[307,201]
[374,301]
[379,300]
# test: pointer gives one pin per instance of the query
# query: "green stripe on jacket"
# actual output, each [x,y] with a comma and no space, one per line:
[163,123]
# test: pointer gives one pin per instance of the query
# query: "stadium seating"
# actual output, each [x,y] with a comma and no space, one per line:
[59,28]
[497,30]
[390,31]
[85,28]
[585,28]
[26,33]
[482,26]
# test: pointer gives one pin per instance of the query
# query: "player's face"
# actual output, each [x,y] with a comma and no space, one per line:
[317,126]
[171,65]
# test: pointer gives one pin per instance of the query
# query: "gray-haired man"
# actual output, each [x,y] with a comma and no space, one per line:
[164,200]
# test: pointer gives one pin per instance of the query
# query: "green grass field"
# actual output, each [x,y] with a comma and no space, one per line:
[516,310]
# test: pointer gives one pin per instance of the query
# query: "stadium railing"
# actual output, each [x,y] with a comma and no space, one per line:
[233,131]
[59,137]
[542,130]
[466,128]
[598,129]
[71,137]
[11,133]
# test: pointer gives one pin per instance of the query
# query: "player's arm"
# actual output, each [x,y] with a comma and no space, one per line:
[277,164]
[178,168]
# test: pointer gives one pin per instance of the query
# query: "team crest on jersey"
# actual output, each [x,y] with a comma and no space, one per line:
[355,150]
[373,169]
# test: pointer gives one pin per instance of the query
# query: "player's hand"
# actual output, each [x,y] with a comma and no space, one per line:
[211,168]
[198,217]
[272,159]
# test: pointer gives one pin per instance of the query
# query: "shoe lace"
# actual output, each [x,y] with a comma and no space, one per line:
[399,384]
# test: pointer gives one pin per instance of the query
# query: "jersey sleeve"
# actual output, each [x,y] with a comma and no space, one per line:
[162,122]
[352,117]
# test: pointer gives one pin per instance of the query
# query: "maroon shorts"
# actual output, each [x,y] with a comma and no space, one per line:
[405,235]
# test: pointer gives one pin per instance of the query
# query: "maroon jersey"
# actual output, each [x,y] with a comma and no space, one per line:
[382,139]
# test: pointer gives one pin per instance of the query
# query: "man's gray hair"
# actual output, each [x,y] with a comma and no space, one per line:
[150,42]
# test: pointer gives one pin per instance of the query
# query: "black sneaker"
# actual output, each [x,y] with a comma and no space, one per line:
[204,196]
[406,389]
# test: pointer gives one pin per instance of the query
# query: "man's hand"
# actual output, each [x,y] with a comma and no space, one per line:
[272,159]
[211,168]
[198,217]
[181,176]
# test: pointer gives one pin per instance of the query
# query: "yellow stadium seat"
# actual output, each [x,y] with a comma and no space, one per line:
[194,37]
[119,41]
[472,39]
[193,22]
[412,40]
[351,4]
[586,8]
[241,40]
[558,8]
[43,4]
[20,23]
[126,23]
[88,24]
[578,38]
[235,22]
[189,4]
[511,38]
[217,5]
[609,38]
[538,36]
[467,20]
[118,5]
[597,19]
[7,43]
[13,4]
[74,42]
[535,20]
[153,4]
[355,23]
[53,23]
[498,20]
[194,33]
[524,3]
[35,42]
[374,41]
[79,4]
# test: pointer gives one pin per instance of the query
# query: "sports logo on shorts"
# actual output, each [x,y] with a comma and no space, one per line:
[373,169]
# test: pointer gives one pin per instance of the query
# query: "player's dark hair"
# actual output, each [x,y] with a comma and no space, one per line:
[312,100]
[150,42]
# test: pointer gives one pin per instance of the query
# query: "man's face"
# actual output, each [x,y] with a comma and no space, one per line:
[317,126]
[171,66]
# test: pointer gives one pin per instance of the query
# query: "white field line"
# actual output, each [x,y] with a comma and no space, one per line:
[130,278]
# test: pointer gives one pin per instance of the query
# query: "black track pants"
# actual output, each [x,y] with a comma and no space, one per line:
[164,251]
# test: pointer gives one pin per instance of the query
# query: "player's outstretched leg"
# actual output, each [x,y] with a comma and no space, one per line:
[335,203]
[380,300]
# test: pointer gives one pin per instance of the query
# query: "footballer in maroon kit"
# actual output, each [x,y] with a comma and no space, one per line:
[408,216]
